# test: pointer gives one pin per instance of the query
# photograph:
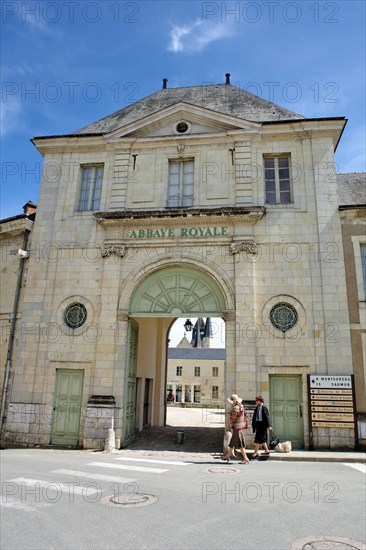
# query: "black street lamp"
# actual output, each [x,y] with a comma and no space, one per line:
[188,325]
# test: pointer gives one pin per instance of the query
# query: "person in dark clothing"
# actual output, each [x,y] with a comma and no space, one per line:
[260,425]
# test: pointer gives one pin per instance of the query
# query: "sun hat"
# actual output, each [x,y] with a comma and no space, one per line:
[234,399]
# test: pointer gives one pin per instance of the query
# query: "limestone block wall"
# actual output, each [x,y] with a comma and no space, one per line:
[96,424]
[28,424]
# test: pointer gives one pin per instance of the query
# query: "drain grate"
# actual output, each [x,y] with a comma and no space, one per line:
[222,470]
[129,500]
[327,543]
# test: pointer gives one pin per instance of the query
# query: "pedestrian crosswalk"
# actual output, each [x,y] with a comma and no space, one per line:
[91,483]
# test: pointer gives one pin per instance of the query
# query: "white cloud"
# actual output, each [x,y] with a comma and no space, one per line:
[196,36]
[11,110]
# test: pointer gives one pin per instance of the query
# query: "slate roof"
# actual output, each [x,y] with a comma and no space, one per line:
[352,189]
[222,98]
[196,353]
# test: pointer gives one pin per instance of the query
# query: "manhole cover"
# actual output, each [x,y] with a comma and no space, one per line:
[222,470]
[327,543]
[130,500]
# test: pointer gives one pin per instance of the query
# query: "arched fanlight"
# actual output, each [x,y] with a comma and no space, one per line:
[188,325]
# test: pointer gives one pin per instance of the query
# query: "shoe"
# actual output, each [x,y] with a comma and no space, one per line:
[266,453]
[244,462]
[254,456]
[225,459]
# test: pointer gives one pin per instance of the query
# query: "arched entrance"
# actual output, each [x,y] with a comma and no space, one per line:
[157,300]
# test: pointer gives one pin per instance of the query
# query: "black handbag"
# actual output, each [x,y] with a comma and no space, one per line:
[273,441]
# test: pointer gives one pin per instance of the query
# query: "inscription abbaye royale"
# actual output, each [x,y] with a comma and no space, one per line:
[160,233]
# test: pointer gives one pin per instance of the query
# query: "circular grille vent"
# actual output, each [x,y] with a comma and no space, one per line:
[283,316]
[75,315]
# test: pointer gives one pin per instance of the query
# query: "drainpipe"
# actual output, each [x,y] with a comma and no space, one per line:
[12,337]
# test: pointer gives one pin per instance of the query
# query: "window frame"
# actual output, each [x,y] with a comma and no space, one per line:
[179,199]
[359,243]
[215,372]
[91,207]
[179,370]
[214,389]
[197,371]
[277,180]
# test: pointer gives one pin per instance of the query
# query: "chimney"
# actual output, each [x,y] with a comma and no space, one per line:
[29,208]
[165,80]
[227,78]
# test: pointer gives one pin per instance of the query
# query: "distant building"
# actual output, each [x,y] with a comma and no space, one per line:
[196,372]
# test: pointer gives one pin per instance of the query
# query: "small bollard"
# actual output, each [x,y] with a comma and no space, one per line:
[180,436]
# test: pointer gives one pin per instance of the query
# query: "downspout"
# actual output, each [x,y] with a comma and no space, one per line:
[12,338]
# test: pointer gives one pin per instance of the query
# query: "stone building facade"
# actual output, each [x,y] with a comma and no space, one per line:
[352,209]
[197,201]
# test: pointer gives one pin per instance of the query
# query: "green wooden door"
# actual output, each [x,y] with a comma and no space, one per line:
[286,408]
[67,408]
[129,404]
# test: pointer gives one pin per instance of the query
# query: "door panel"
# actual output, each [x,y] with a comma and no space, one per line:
[129,415]
[286,408]
[67,408]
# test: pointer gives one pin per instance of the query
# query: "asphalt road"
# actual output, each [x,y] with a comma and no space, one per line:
[62,500]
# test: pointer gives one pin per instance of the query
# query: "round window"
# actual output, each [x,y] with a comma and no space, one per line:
[182,127]
[75,315]
[283,316]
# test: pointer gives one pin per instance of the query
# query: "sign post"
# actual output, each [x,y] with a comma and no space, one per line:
[331,403]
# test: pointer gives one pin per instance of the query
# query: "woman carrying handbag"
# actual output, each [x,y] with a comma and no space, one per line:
[260,425]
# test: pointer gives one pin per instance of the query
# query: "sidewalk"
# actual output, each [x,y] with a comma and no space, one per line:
[203,432]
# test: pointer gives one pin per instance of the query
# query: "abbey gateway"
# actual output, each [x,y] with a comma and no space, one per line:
[201,201]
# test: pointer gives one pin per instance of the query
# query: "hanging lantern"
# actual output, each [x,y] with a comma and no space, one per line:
[188,325]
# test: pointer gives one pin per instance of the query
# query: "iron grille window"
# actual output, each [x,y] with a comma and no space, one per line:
[277,180]
[197,371]
[75,315]
[90,187]
[180,186]
[179,371]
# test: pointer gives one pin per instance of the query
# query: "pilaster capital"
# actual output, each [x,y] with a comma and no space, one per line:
[249,246]
[122,316]
[229,315]
[118,249]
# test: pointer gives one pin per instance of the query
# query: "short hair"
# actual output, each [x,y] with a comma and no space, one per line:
[259,398]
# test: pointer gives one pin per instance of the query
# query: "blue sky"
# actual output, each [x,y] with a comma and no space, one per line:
[68,63]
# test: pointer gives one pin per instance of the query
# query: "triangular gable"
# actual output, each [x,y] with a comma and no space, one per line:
[164,122]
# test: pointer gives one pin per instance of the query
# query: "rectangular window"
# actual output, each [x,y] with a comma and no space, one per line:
[197,371]
[179,371]
[215,371]
[197,394]
[180,187]
[90,187]
[215,392]
[277,179]
[363,263]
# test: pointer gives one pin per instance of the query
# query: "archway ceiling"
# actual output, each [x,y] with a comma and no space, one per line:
[177,292]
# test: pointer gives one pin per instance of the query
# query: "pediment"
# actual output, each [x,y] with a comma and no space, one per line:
[182,119]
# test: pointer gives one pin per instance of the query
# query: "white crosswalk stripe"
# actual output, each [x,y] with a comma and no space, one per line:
[154,461]
[95,476]
[26,483]
[128,467]
[31,495]
[356,466]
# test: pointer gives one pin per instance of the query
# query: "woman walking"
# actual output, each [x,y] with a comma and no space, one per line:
[237,424]
[260,425]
